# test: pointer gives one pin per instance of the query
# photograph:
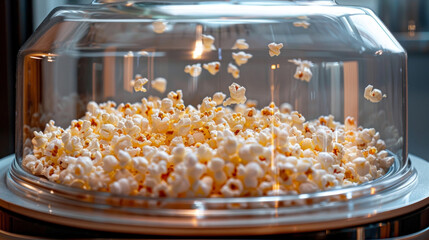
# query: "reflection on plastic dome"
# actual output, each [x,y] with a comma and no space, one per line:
[222,106]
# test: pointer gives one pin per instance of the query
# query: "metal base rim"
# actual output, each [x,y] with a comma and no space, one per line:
[418,198]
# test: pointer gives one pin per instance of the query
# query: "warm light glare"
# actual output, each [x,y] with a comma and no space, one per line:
[372,191]
[198,49]
[273,66]
[276,187]
[411,28]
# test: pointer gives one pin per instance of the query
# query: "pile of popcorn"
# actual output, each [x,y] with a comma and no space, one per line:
[162,148]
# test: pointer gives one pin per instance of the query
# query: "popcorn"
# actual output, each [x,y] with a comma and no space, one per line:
[159,84]
[216,164]
[81,167]
[237,95]
[121,187]
[194,70]
[73,146]
[160,190]
[208,42]
[373,95]
[203,187]
[167,105]
[178,181]
[139,82]
[274,49]
[362,166]
[121,143]
[162,148]
[230,146]
[252,173]
[241,57]
[39,140]
[98,180]
[251,152]
[218,98]
[303,71]
[124,158]
[308,187]
[326,160]
[303,24]
[110,163]
[234,70]
[232,188]
[212,67]
[33,164]
[240,44]
[159,26]
[286,108]
[106,131]
[178,153]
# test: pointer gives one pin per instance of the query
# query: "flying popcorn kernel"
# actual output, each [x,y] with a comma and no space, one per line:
[193,70]
[208,42]
[274,49]
[212,67]
[159,84]
[237,95]
[139,83]
[303,71]
[241,57]
[286,108]
[240,44]
[303,24]
[159,26]
[373,95]
[304,74]
[234,70]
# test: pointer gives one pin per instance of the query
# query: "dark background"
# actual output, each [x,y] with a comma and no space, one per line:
[408,20]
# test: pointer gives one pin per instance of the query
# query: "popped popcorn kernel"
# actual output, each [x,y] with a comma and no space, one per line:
[212,67]
[110,163]
[373,95]
[232,188]
[303,71]
[139,82]
[219,97]
[241,57]
[240,44]
[235,72]
[274,49]
[193,70]
[208,42]
[237,95]
[159,84]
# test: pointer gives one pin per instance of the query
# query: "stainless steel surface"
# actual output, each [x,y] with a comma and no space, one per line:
[421,235]
[326,219]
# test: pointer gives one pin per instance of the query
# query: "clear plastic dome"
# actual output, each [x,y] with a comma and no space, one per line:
[211,103]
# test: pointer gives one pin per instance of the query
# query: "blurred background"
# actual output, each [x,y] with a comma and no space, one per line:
[408,20]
